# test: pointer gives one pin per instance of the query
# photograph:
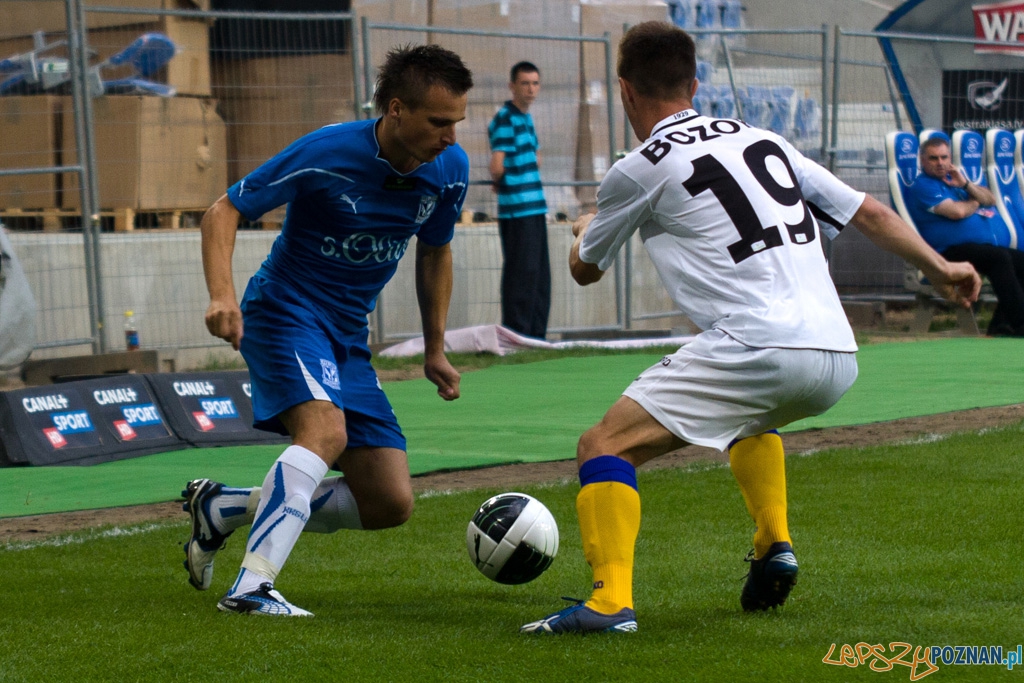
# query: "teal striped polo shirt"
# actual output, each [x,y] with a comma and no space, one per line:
[519,192]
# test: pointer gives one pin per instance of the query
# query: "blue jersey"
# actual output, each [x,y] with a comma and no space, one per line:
[350,215]
[940,232]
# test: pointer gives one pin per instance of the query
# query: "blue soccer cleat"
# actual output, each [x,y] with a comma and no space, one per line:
[581,619]
[205,541]
[770,578]
[263,600]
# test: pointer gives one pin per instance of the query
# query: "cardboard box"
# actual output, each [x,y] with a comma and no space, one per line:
[29,139]
[154,153]
[267,103]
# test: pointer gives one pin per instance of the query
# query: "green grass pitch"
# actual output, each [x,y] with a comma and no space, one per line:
[917,543]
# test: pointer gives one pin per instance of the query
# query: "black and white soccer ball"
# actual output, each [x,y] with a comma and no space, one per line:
[512,538]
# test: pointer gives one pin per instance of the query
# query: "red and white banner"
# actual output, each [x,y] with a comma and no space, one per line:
[1001,22]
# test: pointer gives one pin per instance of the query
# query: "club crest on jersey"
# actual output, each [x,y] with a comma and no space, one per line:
[329,374]
[427,205]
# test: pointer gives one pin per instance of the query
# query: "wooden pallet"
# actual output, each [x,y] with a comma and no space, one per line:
[123,219]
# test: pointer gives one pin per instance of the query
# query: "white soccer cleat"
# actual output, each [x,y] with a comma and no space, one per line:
[263,600]
[205,541]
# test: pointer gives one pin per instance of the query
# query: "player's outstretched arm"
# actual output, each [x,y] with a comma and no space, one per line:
[957,282]
[582,272]
[434,292]
[218,230]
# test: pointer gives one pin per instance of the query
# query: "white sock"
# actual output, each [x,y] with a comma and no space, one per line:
[233,508]
[282,513]
[333,508]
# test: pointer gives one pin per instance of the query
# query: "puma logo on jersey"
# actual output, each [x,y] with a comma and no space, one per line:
[346,198]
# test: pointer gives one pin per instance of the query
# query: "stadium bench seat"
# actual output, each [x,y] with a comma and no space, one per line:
[929,133]
[681,13]
[732,14]
[968,154]
[723,105]
[781,106]
[902,167]
[705,70]
[708,15]
[1000,150]
[702,104]
[807,118]
[754,101]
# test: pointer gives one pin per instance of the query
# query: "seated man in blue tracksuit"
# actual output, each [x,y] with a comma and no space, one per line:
[955,216]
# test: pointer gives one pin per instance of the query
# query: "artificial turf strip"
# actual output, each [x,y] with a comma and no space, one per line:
[916,543]
[535,413]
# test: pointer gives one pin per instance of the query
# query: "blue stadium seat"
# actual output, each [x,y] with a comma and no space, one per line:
[1000,149]
[901,159]
[807,118]
[723,104]
[928,133]
[707,14]
[681,13]
[146,55]
[781,108]
[732,14]
[754,100]
[705,70]
[702,103]
[968,153]
[1018,165]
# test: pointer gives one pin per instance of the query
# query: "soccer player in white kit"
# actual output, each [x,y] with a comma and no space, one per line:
[732,217]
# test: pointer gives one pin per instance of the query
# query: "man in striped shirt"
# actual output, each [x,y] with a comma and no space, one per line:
[515,169]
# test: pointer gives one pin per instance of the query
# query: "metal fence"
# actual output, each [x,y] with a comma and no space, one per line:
[116,231]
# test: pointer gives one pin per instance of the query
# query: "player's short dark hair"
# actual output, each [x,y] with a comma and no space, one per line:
[934,141]
[658,59]
[409,71]
[522,67]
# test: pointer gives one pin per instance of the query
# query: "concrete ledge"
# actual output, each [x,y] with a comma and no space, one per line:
[55,370]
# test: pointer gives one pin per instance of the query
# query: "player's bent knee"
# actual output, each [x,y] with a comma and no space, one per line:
[388,512]
[590,445]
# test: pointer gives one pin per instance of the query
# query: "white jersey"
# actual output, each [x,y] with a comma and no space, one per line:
[727,214]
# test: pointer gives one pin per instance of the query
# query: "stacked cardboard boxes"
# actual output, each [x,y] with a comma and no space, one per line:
[269,102]
[152,153]
[28,137]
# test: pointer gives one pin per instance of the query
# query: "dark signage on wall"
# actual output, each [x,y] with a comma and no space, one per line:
[976,100]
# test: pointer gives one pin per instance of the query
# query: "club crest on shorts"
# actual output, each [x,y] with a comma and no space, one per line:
[329,374]
[427,205]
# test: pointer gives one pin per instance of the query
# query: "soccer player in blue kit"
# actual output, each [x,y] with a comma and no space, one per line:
[356,194]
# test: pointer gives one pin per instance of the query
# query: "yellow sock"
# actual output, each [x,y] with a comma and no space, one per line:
[759,465]
[609,514]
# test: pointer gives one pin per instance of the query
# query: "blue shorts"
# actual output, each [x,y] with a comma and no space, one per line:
[296,355]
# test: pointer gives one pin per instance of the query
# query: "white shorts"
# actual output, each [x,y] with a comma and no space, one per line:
[715,390]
